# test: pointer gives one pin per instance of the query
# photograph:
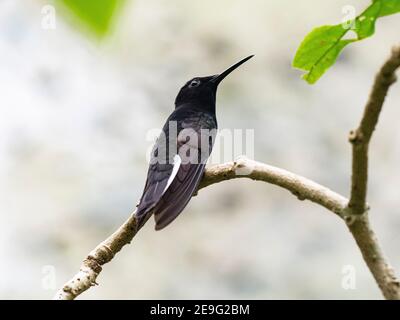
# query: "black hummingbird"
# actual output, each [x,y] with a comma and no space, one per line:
[181,151]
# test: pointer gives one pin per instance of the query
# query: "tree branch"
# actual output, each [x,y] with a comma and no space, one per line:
[357,208]
[302,188]
[361,137]
[368,244]
[92,265]
[353,211]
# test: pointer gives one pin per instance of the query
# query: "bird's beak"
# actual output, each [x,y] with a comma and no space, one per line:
[219,77]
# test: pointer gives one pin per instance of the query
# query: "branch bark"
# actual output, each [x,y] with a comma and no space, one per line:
[354,211]
[303,188]
[371,251]
[361,137]
[357,208]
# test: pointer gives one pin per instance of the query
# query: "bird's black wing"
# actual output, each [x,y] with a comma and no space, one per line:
[178,194]
[170,186]
[190,173]
[160,170]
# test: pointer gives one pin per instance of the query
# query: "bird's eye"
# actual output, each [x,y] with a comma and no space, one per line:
[194,83]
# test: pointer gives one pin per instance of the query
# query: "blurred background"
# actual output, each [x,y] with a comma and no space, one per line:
[76,105]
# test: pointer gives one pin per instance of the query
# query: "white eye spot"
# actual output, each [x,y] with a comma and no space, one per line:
[194,83]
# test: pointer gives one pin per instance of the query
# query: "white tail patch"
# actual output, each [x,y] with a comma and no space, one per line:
[177,164]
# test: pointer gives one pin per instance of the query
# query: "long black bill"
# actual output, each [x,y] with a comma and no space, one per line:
[218,78]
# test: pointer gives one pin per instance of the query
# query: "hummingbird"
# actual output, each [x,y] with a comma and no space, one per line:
[180,153]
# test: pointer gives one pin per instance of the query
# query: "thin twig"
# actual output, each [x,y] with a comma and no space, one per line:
[92,265]
[301,187]
[371,251]
[243,168]
[361,137]
[357,209]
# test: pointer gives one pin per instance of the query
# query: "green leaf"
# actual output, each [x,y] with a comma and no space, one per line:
[319,50]
[365,22]
[95,15]
[389,7]
[321,47]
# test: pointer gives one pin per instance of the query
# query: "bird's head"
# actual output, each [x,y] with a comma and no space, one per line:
[202,90]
